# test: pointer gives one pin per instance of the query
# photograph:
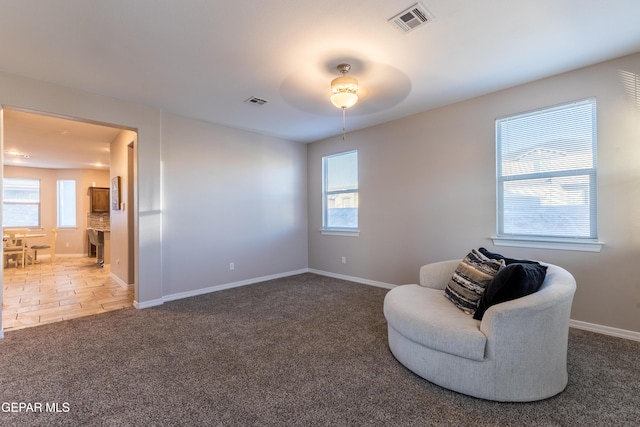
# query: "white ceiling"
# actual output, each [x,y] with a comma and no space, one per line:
[203,58]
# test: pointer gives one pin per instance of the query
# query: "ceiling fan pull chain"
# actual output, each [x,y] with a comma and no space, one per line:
[344,123]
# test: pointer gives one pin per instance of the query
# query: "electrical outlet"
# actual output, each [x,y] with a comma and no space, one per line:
[67,244]
[232,266]
[344,259]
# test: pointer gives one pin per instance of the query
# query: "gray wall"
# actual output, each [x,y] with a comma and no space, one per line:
[229,196]
[427,191]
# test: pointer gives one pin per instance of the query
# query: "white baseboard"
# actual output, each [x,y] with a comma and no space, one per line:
[353,279]
[605,330]
[196,292]
[148,304]
[120,282]
[203,291]
[46,255]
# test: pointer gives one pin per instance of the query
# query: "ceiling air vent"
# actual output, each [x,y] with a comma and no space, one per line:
[255,101]
[412,18]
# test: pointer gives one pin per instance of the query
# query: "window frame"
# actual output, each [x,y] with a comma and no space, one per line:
[37,203]
[332,230]
[579,243]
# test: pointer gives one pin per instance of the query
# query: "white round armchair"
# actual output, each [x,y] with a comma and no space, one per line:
[517,352]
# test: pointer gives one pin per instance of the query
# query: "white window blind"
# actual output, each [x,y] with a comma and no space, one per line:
[546,167]
[66,203]
[21,205]
[340,191]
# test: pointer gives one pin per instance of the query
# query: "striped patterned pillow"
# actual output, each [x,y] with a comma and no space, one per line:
[470,279]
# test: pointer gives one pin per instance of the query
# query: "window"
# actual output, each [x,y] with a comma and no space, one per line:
[340,192]
[21,205]
[66,203]
[546,173]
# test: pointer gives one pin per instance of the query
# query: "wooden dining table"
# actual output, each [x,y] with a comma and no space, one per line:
[25,236]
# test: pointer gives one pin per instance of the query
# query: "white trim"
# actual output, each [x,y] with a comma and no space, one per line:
[148,304]
[549,243]
[58,255]
[353,279]
[224,286]
[231,285]
[120,282]
[605,330]
[339,232]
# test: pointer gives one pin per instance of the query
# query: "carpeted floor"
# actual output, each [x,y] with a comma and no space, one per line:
[301,351]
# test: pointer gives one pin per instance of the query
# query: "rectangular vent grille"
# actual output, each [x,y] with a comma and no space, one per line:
[412,18]
[255,101]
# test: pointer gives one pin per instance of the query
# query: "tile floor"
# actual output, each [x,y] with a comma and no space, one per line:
[46,293]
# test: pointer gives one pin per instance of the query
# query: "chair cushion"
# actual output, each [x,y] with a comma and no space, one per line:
[425,316]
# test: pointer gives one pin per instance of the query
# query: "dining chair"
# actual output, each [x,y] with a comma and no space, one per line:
[50,247]
[15,245]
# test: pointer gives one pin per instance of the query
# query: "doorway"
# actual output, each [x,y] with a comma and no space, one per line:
[50,148]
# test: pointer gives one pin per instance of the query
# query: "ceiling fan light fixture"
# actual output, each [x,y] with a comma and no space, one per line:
[344,90]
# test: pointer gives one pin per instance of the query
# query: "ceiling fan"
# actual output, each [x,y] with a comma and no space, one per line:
[363,86]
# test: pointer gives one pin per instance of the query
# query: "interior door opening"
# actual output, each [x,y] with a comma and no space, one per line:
[67,284]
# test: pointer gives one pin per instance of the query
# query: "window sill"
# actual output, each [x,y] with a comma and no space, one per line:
[549,243]
[340,232]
